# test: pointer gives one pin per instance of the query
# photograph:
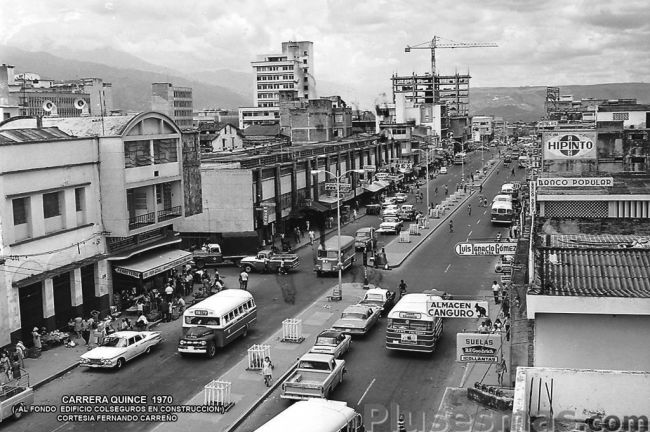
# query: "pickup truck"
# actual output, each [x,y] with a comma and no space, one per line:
[16,396]
[315,377]
[266,260]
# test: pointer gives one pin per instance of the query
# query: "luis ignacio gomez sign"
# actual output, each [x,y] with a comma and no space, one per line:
[486,248]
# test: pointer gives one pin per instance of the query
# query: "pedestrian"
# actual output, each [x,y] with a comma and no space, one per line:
[77,327]
[513,171]
[21,350]
[5,365]
[435,191]
[472,177]
[469,209]
[267,371]
[465,188]
[506,326]
[446,190]
[502,368]
[402,288]
[243,280]
[164,307]
[312,237]
[451,226]
[85,331]
[169,291]
[480,188]
[36,338]
[15,367]
[354,214]
[496,291]
[142,322]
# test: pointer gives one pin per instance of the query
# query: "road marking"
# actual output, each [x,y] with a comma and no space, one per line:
[478,221]
[442,401]
[469,235]
[164,360]
[447,268]
[54,430]
[366,392]
[468,368]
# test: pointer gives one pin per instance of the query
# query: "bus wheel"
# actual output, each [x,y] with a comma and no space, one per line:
[212,350]
[248,268]
[245,332]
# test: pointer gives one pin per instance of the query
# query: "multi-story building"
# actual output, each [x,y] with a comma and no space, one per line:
[292,69]
[38,97]
[482,130]
[91,203]
[314,120]
[176,102]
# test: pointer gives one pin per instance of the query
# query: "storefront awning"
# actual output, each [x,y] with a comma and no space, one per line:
[375,186]
[153,263]
[49,274]
[327,199]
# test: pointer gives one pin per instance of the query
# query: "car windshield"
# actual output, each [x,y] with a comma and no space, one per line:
[115,342]
[374,297]
[326,340]
[363,235]
[353,315]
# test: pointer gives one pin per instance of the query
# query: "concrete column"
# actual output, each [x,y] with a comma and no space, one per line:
[278,192]
[103,286]
[294,186]
[76,292]
[308,177]
[36,215]
[48,304]
[69,209]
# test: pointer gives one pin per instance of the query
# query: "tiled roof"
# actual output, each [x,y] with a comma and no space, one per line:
[599,241]
[596,272]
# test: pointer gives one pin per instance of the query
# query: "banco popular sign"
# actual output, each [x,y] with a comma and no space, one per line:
[457,308]
[569,145]
[486,248]
[575,182]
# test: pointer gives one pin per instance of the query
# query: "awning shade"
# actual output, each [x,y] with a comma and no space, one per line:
[374,187]
[327,199]
[154,263]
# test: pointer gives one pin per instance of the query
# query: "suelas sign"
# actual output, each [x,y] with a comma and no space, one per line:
[569,145]
[478,347]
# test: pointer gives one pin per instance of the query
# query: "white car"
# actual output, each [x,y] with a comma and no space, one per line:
[357,319]
[401,197]
[443,170]
[390,224]
[333,342]
[120,347]
[389,201]
[390,210]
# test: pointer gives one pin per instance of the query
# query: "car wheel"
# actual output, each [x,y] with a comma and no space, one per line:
[245,332]
[248,268]
[147,351]
[212,350]
[120,363]
[18,410]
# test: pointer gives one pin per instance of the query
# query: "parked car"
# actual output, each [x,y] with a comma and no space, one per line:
[333,342]
[365,238]
[407,212]
[443,170]
[390,224]
[119,348]
[379,297]
[390,210]
[357,319]
[401,197]
[389,201]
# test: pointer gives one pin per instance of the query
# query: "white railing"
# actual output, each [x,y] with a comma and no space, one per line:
[292,330]
[218,393]
[256,355]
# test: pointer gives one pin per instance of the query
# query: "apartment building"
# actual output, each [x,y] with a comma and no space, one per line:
[314,120]
[176,102]
[91,202]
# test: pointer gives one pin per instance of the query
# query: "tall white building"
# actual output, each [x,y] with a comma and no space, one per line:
[292,69]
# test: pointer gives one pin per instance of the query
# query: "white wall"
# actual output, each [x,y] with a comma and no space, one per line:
[618,342]
[636,118]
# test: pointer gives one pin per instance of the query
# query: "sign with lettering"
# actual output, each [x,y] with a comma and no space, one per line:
[575,182]
[573,145]
[457,308]
[486,248]
[343,187]
[477,347]
[410,315]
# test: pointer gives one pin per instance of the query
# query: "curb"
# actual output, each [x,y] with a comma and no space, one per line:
[55,376]
[262,398]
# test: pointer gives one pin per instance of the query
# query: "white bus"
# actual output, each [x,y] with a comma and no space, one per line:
[410,327]
[460,158]
[216,321]
[315,415]
[328,257]
[502,212]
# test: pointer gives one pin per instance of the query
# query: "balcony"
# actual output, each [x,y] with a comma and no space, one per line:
[142,220]
[170,213]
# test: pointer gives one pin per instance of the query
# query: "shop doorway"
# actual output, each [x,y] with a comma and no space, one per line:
[31,309]
[88,289]
[63,310]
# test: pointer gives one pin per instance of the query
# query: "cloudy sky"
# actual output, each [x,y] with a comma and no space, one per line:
[358,44]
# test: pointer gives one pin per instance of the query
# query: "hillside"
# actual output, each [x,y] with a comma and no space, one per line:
[131,87]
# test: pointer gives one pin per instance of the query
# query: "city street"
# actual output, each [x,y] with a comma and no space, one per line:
[376,377]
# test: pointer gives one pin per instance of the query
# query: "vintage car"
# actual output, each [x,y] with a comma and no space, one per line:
[388,201]
[401,197]
[120,347]
[357,319]
[390,210]
[266,260]
[443,170]
[407,212]
[365,238]
[379,297]
[315,376]
[390,224]
[333,342]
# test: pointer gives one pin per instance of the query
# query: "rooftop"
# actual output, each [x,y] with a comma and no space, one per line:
[11,136]
[262,130]
[90,126]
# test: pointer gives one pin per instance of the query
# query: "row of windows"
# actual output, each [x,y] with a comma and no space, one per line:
[183,104]
[621,116]
[275,86]
[138,153]
[52,205]
[260,114]
[275,77]
[238,312]
[267,95]
[268,105]
[273,68]
[182,94]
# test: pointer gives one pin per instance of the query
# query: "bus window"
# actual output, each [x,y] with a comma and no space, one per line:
[213,321]
[241,310]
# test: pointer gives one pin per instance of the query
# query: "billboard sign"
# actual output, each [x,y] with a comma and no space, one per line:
[573,145]
[486,248]
[477,347]
[575,182]
[457,308]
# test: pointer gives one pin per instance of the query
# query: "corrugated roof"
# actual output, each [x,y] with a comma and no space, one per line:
[90,126]
[594,241]
[596,272]
[31,134]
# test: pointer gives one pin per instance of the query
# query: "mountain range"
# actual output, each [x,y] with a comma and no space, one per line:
[131,78]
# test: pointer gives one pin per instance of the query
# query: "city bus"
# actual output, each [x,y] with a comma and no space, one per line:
[502,212]
[327,256]
[216,321]
[315,415]
[460,158]
[410,327]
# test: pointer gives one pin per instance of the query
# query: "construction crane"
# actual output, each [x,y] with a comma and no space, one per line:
[435,43]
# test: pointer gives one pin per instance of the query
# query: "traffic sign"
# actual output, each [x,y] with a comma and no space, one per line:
[486,248]
[343,187]
[458,308]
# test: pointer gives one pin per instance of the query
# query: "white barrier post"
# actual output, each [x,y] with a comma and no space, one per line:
[292,330]
[404,237]
[414,229]
[218,393]
[256,355]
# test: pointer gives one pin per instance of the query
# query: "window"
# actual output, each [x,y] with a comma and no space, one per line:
[165,151]
[137,153]
[20,206]
[80,199]
[51,204]
[621,116]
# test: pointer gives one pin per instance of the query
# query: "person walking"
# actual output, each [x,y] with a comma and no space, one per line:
[5,366]
[169,291]
[21,351]
[402,288]
[496,291]
[243,280]
[312,237]
[36,338]
[502,368]
[469,209]
[480,188]
[354,214]
[435,191]
[267,371]
[85,331]
[446,190]
[451,226]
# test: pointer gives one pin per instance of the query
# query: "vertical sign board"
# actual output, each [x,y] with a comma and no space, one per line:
[478,347]
[533,197]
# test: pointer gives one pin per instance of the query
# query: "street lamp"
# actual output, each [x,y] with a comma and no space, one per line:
[338,220]
[426,155]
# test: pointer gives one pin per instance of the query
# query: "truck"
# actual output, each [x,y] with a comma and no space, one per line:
[267,260]
[315,376]
[212,249]
[365,238]
[16,396]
